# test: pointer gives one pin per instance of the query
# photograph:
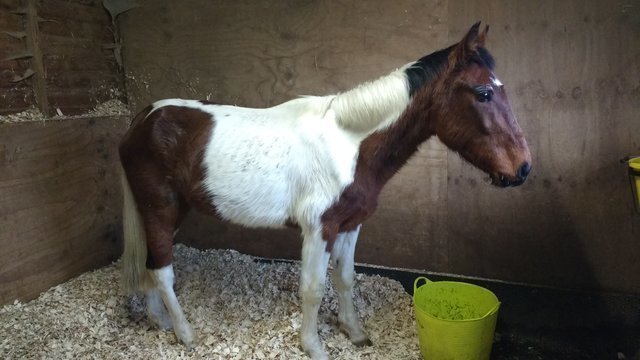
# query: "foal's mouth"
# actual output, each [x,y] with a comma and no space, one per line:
[501,180]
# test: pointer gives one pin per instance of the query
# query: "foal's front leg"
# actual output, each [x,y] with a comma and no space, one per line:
[315,260]
[343,274]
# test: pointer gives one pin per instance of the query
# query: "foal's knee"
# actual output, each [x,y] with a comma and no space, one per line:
[343,280]
[311,293]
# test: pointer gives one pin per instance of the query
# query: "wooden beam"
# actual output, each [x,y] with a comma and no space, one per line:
[33,46]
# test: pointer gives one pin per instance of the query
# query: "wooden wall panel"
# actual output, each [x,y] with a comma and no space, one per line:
[15,96]
[572,72]
[76,43]
[263,53]
[68,46]
[60,205]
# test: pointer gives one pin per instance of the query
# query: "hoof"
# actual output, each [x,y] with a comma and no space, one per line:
[318,355]
[358,337]
[185,336]
[362,343]
[189,344]
[313,347]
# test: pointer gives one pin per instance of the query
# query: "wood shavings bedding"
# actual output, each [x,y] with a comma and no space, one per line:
[240,308]
[113,107]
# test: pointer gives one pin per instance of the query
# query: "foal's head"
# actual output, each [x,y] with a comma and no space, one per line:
[475,117]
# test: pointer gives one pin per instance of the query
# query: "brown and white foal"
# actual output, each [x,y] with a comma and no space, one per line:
[317,162]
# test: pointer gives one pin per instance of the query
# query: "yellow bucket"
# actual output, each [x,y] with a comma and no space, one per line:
[455,320]
[634,179]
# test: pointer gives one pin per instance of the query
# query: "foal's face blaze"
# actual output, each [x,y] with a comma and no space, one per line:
[480,124]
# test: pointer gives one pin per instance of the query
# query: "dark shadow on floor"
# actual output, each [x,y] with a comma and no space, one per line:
[563,325]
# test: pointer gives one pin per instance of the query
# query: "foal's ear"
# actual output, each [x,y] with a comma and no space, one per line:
[473,40]
[483,36]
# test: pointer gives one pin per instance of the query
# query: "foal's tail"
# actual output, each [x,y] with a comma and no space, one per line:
[134,272]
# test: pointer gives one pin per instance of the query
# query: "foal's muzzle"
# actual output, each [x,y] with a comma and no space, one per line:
[521,176]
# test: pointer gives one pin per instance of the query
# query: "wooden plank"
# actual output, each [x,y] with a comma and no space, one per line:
[8,20]
[572,224]
[80,61]
[16,100]
[60,208]
[15,65]
[88,80]
[77,102]
[33,47]
[9,46]
[93,43]
[61,10]
[77,29]
[8,79]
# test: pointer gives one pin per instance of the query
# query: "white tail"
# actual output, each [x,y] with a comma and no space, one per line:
[135,276]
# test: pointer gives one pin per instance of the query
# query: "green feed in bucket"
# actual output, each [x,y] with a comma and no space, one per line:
[455,320]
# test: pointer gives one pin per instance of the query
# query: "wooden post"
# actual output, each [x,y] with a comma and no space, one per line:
[33,46]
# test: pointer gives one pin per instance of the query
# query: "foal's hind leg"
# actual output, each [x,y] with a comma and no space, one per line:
[343,273]
[160,225]
[163,279]
[156,311]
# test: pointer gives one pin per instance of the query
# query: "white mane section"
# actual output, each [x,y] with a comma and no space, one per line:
[373,105]
[195,104]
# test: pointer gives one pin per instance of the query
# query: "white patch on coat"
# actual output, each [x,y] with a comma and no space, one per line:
[292,161]
[496,81]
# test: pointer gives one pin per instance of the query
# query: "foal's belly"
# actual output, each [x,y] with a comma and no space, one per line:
[247,175]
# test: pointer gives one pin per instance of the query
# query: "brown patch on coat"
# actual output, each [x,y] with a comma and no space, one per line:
[380,157]
[162,157]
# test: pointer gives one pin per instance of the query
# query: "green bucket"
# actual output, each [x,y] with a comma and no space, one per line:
[455,320]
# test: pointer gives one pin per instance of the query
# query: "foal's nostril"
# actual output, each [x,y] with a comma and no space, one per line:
[524,170]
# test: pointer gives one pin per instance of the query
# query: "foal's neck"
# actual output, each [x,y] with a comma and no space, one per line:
[373,105]
[383,153]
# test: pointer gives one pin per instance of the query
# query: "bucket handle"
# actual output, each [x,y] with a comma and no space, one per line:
[415,283]
[493,309]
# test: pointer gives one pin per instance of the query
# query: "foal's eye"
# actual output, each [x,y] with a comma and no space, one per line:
[483,93]
[484,96]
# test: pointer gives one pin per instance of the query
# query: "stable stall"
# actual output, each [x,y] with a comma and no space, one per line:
[559,251]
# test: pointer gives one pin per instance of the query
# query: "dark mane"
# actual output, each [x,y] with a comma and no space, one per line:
[425,69]
[483,57]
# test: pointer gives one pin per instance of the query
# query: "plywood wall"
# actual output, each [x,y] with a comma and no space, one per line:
[60,205]
[57,55]
[570,69]
[573,74]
